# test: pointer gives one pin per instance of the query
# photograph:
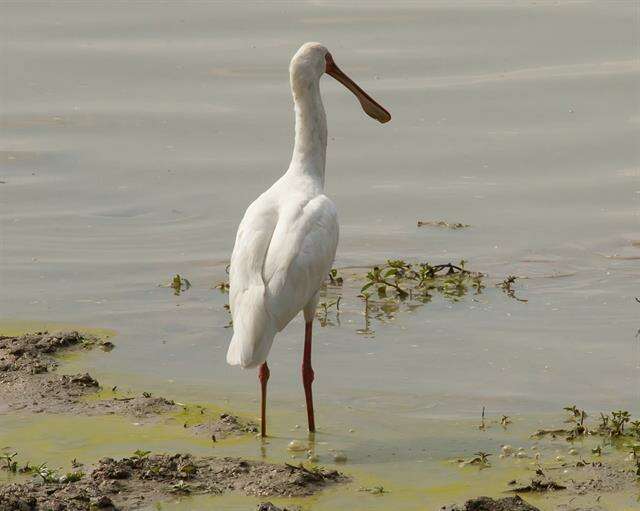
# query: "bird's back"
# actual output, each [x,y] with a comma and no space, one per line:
[284,248]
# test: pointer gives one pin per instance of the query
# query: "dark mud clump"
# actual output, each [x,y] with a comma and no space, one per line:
[268,506]
[26,366]
[489,504]
[138,481]
[31,353]
[142,407]
[226,426]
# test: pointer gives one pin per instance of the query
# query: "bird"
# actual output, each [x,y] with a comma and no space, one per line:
[287,239]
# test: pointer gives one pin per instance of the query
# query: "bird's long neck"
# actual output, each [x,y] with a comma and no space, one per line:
[310,147]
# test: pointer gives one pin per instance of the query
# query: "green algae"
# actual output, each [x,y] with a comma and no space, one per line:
[16,327]
[414,459]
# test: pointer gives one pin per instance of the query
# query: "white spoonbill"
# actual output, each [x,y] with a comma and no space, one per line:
[287,240]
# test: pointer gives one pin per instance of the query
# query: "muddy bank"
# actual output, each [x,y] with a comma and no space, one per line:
[29,381]
[489,504]
[581,478]
[131,483]
[226,426]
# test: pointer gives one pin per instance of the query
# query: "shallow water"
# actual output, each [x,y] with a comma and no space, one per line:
[134,135]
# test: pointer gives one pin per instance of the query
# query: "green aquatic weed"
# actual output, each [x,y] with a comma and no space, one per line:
[506,286]
[48,475]
[334,278]
[8,457]
[72,477]
[139,454]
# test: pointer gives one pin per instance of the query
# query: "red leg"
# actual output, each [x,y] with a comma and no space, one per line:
[307,374]
[263,376]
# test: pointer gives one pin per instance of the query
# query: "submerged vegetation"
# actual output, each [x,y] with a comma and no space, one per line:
[442,224]
[178,283]
[403,280]
[323,311]
[507,286]
[611,425]
[479,459]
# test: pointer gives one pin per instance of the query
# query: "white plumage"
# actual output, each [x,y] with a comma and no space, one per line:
[284,249]
[287,239]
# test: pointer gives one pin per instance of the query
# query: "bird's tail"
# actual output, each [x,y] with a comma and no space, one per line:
[253,330]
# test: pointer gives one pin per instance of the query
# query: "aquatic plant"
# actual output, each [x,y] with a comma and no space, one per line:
[404,280]
[611,425]
[482,425]
[227,307]
[223,286]
[9,462]
[139,454]
[367,331]
[374,490]
[506,286]
[180,487]
[577,419]
[334,278]
[178,284]
[72,477]
[48,475]
[480,459]
[324,308]
[441,223]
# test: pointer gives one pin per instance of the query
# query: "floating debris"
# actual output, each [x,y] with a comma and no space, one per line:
[442,224]
[178,284]
[374,490]
[506,286]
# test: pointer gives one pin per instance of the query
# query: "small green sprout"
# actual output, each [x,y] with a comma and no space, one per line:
[139,454]
[72,477]
[47,474]
[334,278]
[179,284]
[374,490]
[180,487]
[8,457]
[223,286]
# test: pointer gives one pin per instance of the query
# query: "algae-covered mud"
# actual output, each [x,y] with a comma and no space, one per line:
[135,134]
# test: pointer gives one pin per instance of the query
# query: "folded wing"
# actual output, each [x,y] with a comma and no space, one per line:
[279,262]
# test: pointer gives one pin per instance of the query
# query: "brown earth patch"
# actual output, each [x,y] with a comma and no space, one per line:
[226,426]
[28,381]
[131,483]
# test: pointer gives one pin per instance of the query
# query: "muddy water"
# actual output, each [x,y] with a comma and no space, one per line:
[134,135]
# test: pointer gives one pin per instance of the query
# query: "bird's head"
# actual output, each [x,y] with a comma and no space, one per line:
[312,60]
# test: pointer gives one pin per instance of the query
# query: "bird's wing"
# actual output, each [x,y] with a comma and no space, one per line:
[252,242]
[253,327]
[299,256]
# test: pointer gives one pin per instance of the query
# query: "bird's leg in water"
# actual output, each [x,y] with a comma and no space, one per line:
[307,374]
[263,376]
